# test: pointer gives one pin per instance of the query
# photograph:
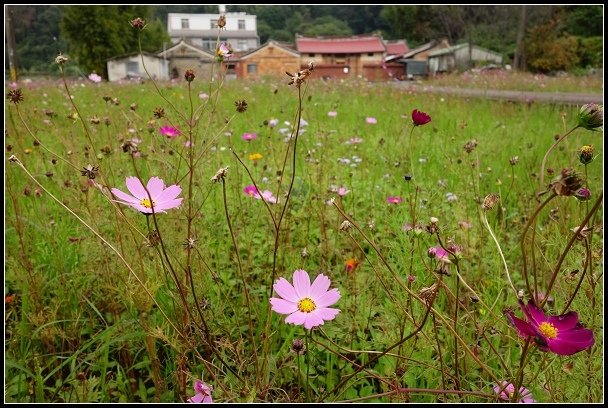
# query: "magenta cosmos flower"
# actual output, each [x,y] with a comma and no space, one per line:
[170,131]
[562,334]
[203,393]
[420,118]
[305,304]
[162,198]
[394,200]
[506,390]
[249,136]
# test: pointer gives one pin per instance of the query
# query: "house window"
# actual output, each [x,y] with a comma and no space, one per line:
[241,45]
[311,55]
[241,24]
[185,23]
[213,24]
[209,43]
[252,68]
[370,54]
[132,68]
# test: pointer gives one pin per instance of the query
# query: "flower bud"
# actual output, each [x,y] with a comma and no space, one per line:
[585,155]
[591,116]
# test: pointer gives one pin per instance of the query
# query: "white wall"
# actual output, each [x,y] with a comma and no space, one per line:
[157,68]
[203,21]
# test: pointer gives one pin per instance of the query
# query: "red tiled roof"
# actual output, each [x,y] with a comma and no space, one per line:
[398,48]
[356,45]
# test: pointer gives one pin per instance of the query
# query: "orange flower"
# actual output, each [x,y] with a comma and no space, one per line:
[8,299]
[351,264]
[255,156]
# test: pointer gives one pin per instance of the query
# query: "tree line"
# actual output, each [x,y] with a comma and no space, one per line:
[542,38]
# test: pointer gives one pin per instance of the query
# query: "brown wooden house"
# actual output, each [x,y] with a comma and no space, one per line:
[271,59]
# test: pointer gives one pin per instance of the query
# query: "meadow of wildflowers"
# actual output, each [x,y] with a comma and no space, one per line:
[207,241]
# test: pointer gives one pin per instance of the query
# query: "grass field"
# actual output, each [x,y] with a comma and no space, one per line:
[106,304]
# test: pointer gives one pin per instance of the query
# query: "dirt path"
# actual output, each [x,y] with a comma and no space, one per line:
[564,98]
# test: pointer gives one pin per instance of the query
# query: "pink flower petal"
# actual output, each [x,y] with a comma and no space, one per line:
[155,187]
[327,313]
[328,299]
[167,205]
[564,322]
[319,286]
[197,399]
[301,283]
[285,290]
[533,313]
[125,197]
[297,318]
[312,320]
[567,348]
[136,188]
[523,328]
[170,193]
[283,306]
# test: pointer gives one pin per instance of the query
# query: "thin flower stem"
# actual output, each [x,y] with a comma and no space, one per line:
[542,166]
[580,281]
[520,373]
[245,288]
[485,222]
[306,334]
[522,242]
[562,257]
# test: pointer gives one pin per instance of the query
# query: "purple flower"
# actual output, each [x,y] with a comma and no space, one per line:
[562,334]
[203,393]
[506,392]
[305,303]
[273,122]
[371,120]
[249,136]
[159,200]
[267,195]
[439,253]
[583,194]
[170,131]
[394,200]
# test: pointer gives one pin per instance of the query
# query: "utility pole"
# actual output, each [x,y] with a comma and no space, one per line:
[10,46]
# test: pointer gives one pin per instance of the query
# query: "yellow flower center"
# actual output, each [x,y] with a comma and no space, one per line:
[147,203]
[306,305]
[548,330]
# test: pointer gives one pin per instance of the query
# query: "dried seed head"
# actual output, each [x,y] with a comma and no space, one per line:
[470,145]
[304,253]
[581,234]
[90,171]
[490,201]
[138,23]
[190,243]
[298,347]
[241,105]
[153,238]
[61,59]
[567,183]
[586,154]
[189,75]
[591,116]
[345,226]
[15,96]
[221,21]
[95,120]
[159,113]
[514,160]
[220,175]
[428,294]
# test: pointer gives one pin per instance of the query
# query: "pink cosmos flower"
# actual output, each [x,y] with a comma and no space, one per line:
[371,120]
[332,114]
[273,122]
[224,51]
[203,95]
[420,118]
[394,200]
[342,191]
[562,334]
[161,198]
[439,253]
[506,390]
[94,77]
[249,136]
[170,132]
[203,393]
[305,304]
[267,195]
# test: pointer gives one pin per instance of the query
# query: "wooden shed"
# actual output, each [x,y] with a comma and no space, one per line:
[271,59]
[183,56]
[460,57]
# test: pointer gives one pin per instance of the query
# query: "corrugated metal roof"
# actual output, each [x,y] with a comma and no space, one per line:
[345,45]
[453,48]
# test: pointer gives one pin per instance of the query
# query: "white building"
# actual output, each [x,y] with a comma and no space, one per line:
[131,66]
[201,30]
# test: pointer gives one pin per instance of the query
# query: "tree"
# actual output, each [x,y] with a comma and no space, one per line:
[97,33]
[548,49]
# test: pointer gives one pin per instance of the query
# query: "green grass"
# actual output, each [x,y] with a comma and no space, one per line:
[83,329]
